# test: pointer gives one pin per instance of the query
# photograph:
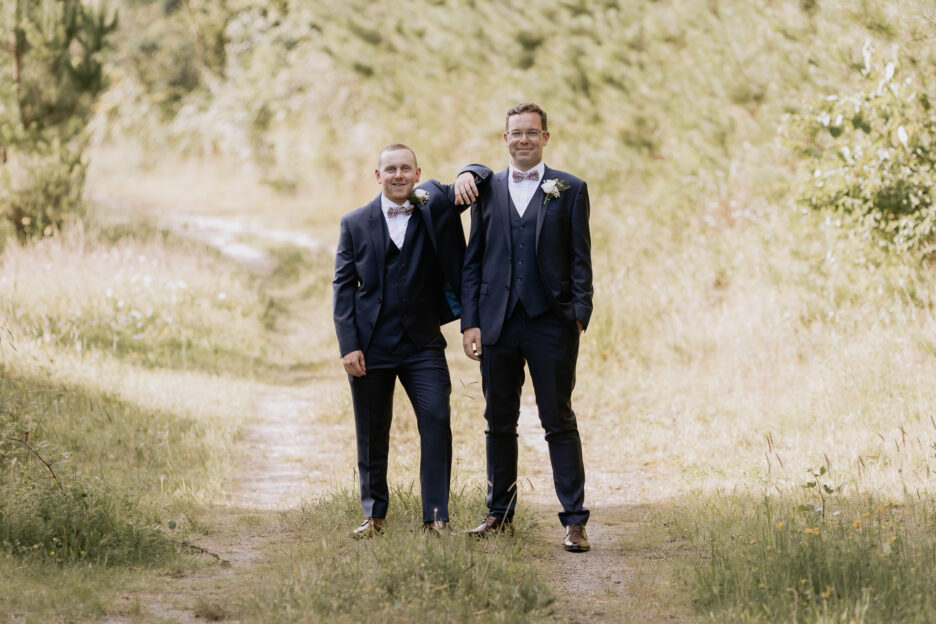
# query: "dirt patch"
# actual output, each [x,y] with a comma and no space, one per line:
[627,575]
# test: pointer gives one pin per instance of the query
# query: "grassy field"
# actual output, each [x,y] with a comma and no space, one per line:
[754,392]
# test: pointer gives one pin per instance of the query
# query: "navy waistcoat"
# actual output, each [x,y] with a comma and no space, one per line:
[526,285]
[412,280]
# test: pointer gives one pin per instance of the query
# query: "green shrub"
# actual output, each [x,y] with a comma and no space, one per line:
[870,157]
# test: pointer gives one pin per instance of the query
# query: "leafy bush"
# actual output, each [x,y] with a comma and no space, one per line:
[871,158]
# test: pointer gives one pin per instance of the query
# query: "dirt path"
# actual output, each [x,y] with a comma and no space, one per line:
[283,462]
[627,575]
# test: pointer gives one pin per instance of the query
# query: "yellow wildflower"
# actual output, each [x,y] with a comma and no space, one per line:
[779,526]
[857,524]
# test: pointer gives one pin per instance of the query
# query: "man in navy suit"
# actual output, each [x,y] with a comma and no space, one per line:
[527,297]
[397,279]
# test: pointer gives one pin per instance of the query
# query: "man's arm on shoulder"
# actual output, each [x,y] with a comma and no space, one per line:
[580,266]
[471,271]
[467,183]
[344,286]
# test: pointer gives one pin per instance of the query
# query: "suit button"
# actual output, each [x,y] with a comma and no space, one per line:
[506,286]
[509,260]
[370,324]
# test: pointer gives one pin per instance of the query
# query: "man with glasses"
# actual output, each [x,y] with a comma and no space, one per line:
[526,297]
[397,278]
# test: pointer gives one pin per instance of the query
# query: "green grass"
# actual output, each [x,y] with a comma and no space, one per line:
[776,559]
[137,435]
[404,575]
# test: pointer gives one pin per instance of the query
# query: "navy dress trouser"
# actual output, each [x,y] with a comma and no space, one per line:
[550,349]
[425,377]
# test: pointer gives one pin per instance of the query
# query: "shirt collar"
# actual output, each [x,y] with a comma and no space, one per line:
[387,204]
[541,168]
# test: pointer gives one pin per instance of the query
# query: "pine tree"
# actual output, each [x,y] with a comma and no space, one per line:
[50,76]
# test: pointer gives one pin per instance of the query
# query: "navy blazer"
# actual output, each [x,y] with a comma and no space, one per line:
[563,252]
[361,254]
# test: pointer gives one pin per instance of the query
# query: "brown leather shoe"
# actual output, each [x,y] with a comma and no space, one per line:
[491,524]
[436,527]
[576,540]
[369,528]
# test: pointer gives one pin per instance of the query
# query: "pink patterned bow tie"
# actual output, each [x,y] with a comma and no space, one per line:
[520,176]
[402,210]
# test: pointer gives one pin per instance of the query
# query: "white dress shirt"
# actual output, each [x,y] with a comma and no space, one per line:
[522,192]
[396,224]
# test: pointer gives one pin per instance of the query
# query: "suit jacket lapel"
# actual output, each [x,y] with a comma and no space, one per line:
[377,229]
[501,207]
[424,210]
[540,204]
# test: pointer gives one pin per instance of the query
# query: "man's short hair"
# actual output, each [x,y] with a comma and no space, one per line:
[394,147]
[526,107]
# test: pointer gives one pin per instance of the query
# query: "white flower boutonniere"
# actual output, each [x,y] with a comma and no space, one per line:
[419,197]
[553,188]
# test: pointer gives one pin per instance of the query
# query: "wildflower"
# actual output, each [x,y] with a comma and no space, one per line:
[762,586]
[780,526]
[802,581]
[753,542]
[828,592]
[857,524]
[892,539]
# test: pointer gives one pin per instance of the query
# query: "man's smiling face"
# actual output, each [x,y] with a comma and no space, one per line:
[526,148]
[397,174]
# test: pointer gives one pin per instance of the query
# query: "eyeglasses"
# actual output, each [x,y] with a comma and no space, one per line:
[516,135]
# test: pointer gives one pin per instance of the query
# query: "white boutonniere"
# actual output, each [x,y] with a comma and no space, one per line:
[553,188]
[419,197]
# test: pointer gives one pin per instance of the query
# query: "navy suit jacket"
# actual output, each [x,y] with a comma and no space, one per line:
[563,252]
[359,263]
